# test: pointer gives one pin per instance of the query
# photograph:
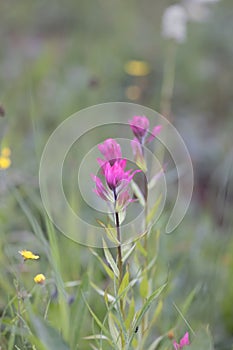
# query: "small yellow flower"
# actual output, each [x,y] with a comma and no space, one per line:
[5,161]
[137,68]
[27,255]
[40,278]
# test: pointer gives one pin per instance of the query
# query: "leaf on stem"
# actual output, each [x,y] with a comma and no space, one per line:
[108,297]
[124,284]
[110,231]
[106,268]
[141,249]
[130,315]
[110,260]
[114,331]
[145,308]
[96,336]
[153,210]
[144,287]
[97,320]
[126,252]
[138,193]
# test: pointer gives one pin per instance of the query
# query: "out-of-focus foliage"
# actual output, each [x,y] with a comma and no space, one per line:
[57,57]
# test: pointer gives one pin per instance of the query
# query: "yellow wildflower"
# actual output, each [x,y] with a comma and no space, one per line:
[137,68]
[40,278]
[5,161]
[27,255]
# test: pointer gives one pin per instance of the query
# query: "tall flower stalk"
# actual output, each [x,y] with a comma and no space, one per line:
[140,128]
[115,191]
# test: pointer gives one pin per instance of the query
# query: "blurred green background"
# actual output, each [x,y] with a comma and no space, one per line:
[58,57]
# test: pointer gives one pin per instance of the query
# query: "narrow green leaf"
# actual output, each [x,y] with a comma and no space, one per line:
[111,261]
[106,268]
[144,287]
[153,210]
[130,315]
[145,308]
[141,249]
[96,336]
[127,252]
[156,343]
[124,284]
[185,305]
[109,297]
[157,312]
[110,232]
[138,193]
[98,322]
[113,330]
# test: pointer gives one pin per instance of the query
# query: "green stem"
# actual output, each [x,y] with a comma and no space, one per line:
[120,267]
[168,80]
[119,253]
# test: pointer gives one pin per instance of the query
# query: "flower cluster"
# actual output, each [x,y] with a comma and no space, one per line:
[140,127]
[28,255]
[113,166]
[117,178]
[5,160]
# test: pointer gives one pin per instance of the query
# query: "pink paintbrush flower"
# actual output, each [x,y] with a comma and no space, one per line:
[140,127]
[111,151]
[183,342]
[117,179]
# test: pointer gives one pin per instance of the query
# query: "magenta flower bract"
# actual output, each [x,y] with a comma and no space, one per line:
[140,127]
[111,151]
[154,133]
[115,174]
[117,178]
[100,190]
[183,342]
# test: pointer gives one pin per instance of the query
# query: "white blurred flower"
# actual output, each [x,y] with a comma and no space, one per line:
[175,17]
[174,23]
